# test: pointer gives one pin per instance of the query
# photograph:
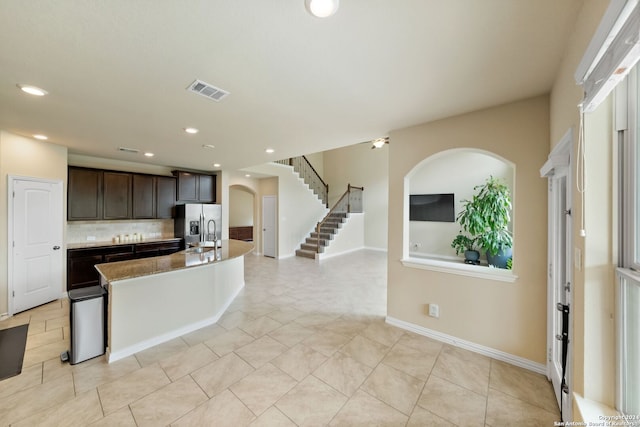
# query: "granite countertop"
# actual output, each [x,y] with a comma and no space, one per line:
[122,270]
[107,243]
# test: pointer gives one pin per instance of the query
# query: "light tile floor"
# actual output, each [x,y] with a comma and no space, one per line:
[303,344]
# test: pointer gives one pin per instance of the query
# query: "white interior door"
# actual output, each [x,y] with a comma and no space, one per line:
[269,226]
[35,244]
[559,298]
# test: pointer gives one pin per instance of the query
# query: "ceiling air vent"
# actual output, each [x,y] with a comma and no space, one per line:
[129,150]
[205,89]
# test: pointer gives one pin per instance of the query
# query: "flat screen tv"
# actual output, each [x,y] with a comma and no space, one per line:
[432,207]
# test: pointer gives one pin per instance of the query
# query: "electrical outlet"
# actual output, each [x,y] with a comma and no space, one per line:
[434,310]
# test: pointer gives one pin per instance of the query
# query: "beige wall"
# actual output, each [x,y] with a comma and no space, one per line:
[361,166]
[26,157]
[593,351]
[472,309]
[317,161]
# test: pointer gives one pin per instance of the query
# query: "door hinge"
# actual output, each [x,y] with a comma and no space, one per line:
[568,212]
[549,353]
[567,287]
[13,294]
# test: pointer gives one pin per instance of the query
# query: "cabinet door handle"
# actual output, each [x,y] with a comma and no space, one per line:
[55,248]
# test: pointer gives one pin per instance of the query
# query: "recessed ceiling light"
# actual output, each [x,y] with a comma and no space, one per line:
[41,137]
[192,131]
[216,165]
[148,154]
[322,8]
[248,175]
[269,150]
[32,90]
[208,146]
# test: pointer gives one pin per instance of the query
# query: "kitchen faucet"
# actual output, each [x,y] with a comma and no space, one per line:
[215,233]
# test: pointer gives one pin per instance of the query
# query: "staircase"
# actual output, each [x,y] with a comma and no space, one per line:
[310,176]
[317,241]
[328,228]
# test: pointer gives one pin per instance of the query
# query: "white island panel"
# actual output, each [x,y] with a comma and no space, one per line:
[148,310]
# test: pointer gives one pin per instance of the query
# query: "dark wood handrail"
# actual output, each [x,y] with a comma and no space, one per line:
[335,206]
[317,174]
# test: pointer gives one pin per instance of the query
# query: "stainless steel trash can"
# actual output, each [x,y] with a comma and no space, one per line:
[87,322]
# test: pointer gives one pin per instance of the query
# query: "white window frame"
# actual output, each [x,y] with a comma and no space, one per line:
[628,273]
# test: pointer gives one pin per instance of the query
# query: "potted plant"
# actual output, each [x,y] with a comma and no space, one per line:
[486,218]
[465,244]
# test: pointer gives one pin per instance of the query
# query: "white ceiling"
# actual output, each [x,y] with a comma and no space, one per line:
[116,71]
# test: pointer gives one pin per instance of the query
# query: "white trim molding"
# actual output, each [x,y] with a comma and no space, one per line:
[461,269]
[471,346]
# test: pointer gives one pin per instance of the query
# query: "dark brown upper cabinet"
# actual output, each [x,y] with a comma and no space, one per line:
[84,199]
[144,196]
[96,194]
[195,187]
[117,195]
[207,189]
[165,196]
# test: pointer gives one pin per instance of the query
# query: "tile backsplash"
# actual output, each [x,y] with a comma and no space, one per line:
[103,231]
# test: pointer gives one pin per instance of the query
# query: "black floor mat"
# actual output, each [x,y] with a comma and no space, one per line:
[12,344]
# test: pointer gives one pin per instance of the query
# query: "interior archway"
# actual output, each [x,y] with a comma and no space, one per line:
[242,208]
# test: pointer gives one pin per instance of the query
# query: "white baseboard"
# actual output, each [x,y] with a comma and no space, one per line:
[371,248]
[323,256]
[4,316]
[128,351]
[468,345]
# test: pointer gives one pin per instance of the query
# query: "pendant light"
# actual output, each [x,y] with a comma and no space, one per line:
[322,8]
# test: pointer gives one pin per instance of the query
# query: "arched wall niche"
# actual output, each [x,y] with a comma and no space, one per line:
[455,171]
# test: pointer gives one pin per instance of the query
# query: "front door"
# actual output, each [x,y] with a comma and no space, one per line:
[35,242]
[269,226]
[559,298]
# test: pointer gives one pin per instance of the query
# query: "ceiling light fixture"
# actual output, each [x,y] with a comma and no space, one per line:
[269,150]
[379,142]
[322,8]
[248,175]
[208,146]
[192,131]
[32,90]
[216,165]
[41,137]
[148,154]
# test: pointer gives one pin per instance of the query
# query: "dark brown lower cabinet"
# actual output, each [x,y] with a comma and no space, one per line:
[145,250]
[241,233]
[81,263]
[80,271]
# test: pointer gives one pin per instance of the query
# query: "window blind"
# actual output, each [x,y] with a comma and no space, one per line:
[613,51]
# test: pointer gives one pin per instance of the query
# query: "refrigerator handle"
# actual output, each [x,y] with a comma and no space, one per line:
[201,228]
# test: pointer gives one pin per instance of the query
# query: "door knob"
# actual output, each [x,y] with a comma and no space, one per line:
[55,248]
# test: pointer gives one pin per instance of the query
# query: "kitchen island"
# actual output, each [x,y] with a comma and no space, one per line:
[157,299]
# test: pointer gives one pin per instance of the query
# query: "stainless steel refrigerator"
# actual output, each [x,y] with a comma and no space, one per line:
[197,222]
